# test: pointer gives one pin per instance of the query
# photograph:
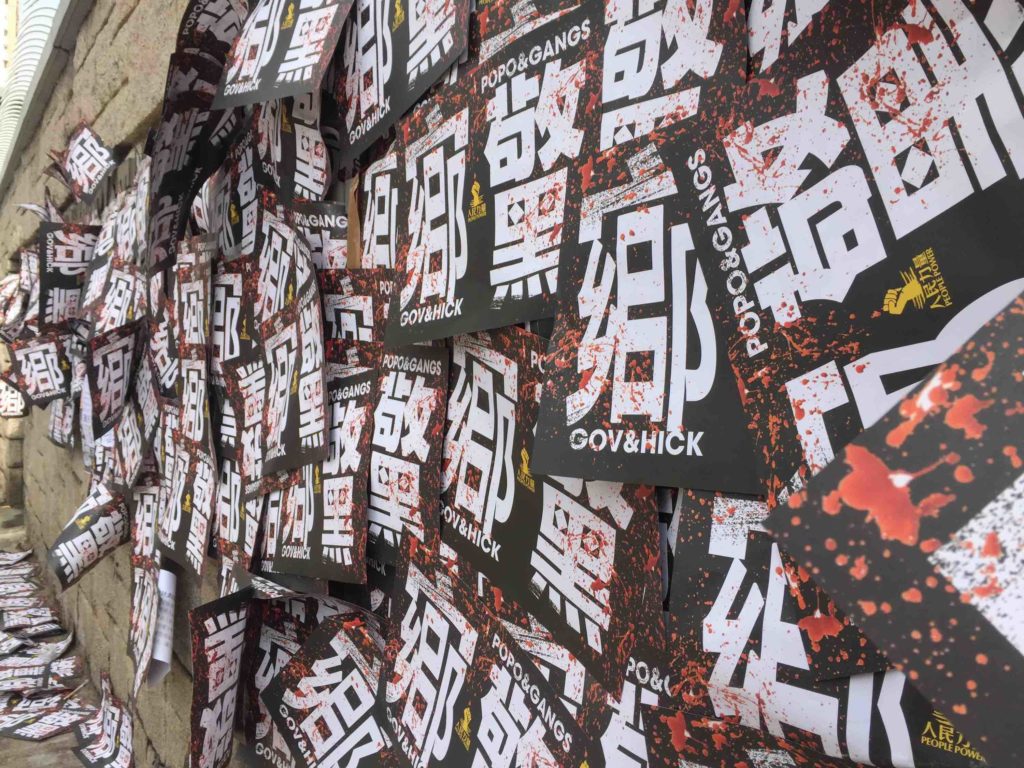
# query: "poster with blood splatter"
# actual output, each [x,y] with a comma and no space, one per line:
[580,556]
[277,630]
[40,367]
[322,701]
[431,647]
[322,519]
[325,227]
[406,448]
[39,718]
[508,712]
[355,303]
[60,675]
[751,639]
[85,163]
[490,182]
[676,738]
[283,50]
[290,151]
[378,204]
[145,569]
[110,367]
[97,528]
[837,196]
[218,639]
[65,251]
[105,740]
[389,55]
[927,504]
[638,385]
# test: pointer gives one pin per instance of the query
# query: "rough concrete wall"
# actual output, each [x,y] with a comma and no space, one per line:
[115,83]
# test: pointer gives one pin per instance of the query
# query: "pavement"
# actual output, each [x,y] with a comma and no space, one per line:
[56,751]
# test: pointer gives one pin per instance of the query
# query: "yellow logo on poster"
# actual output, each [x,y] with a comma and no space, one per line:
[462,728]
[939,733]
[399,15]
[477,205]
[523,474]
[923,284]
[289,19]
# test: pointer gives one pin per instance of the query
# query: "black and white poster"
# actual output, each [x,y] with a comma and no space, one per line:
[406,449]
[283,50]
[390,55]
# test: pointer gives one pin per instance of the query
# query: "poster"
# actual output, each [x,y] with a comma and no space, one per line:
[283,50]
[391,54]
[406,449]
[560,546]
[924,505]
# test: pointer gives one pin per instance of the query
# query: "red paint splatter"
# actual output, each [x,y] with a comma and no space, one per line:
[992,546]
[870,487]
[732,9]
[914,409]
[912,595]
[765,87]
[963,474]
[598,584]
[720,741]
[860,568]
[499,598]
[585,378]
[916,34]
[820,627]
[962,415]
[832,503]
[677,729]
[981,372]
[1010,452]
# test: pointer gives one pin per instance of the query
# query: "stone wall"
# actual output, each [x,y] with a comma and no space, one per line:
[115,83]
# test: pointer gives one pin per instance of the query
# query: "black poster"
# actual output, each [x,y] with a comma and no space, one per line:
[218,639]
[40,367]
[752,640]
[431,648]
[322,527]
[920,517]
[639,385]
[390,54]
[491,182]
[65,251]
[838,193]
[379,184]
[110,365]
[85,163]
[283,50]
[96,529]
[322,700]
[355,303]
[277,630]
[325,227]
[406,448]
[581,556]
[105,740]
[188,498]
[508,712]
